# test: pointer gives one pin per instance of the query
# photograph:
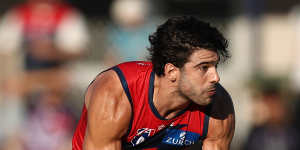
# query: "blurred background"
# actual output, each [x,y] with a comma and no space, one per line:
[50,50]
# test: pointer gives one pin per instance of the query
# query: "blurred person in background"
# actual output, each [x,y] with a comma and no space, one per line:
[272,128]
[49,125]
[47,35]
[132,22]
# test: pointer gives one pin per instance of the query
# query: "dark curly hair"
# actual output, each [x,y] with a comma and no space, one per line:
[176,39]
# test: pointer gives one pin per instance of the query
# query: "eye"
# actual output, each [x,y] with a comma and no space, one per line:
[204,67]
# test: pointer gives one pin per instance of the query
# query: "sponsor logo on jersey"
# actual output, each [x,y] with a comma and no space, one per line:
[180,138]
[141,135]
[169,137]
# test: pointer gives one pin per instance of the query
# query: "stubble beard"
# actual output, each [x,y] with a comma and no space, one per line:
[192,96]
[200,100]
[188,92]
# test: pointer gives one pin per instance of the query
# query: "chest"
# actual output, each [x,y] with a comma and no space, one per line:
[184,130]
[148,129]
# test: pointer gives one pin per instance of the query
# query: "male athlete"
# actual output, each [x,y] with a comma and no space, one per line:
[172,102]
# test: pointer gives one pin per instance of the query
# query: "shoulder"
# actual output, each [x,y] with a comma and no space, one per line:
[108,108]
[106,100]
[222,103]
[107,84]
[135,66]
[222,120]
[222,108]
[134,70]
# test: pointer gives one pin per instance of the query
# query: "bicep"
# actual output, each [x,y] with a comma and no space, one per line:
[109,113]
[221,138]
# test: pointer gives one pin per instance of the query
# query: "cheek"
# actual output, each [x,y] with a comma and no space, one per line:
[191,86]
[192,82]
[197,84]
[185,85]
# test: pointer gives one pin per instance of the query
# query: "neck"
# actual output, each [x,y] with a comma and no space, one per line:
[167,99]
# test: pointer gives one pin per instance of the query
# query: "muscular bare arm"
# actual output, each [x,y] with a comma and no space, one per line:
[221,123]
[109,113]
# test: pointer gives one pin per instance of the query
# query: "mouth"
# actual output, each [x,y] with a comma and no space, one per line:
[211,91]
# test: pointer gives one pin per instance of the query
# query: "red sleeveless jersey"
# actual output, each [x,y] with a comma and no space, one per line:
[148,129]
[38,24]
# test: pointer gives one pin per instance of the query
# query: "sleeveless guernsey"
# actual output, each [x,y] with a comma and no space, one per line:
[148,129]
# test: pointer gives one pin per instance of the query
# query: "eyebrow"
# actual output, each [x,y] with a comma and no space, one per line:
[207,62]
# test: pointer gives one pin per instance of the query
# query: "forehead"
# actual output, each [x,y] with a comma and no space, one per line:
[202,55]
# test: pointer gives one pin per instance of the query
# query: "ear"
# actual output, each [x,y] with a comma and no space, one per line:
[171,72]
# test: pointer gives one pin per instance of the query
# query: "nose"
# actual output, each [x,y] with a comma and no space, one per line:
[215,78]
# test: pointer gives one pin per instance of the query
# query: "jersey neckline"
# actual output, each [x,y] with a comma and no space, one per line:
[151,103]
